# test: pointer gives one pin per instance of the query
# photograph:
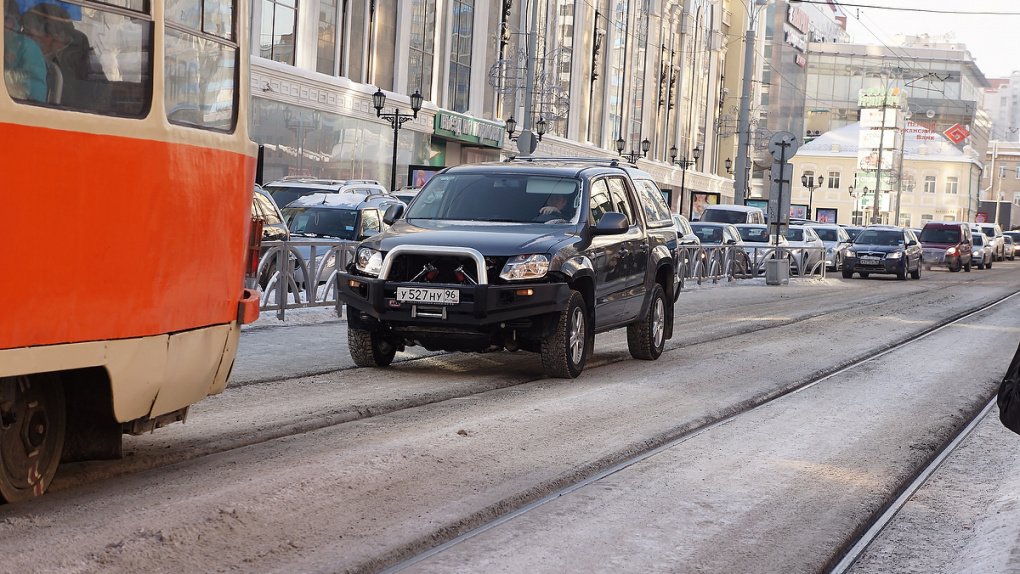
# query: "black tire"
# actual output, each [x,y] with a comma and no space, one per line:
[981,265]
[901,274]
[647,337]
[966,268]
[847,274]
[916,274]
[988,265]
[564,352]
[370,349]
[956,268]
[34,417]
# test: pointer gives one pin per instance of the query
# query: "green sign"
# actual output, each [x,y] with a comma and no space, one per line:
[882,98]
[469,130]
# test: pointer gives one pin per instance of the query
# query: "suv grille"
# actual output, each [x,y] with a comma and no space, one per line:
[443,269]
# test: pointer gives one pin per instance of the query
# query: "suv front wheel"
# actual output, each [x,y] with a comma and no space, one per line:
[647,337]
[369,349]
[564,352]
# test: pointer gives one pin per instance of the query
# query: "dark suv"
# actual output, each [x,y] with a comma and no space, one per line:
[884,249]
[536,255]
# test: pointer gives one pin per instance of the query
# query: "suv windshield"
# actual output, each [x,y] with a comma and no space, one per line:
[878,237]
[940,235]
[516,198]
[725,216]
[754,234]
[322,222]
[826,234]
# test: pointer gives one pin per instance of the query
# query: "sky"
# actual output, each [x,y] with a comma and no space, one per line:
[992,38]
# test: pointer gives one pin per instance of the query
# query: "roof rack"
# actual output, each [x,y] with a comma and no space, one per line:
[609,161]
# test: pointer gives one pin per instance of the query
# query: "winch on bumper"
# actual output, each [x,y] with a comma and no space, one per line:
[449,308]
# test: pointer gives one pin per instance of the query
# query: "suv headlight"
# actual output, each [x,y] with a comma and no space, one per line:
[369,261]
[894,255]
[851,252]
[523,267]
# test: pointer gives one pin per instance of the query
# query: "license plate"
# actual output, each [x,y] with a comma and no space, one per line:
[433,296]
[870,260]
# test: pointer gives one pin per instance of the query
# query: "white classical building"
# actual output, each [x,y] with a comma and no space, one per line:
[937,180]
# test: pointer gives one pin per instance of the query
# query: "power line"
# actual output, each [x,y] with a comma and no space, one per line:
[922,10]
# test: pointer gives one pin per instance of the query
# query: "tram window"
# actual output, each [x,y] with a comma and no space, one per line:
[200,64]
[95,61]
[199,81]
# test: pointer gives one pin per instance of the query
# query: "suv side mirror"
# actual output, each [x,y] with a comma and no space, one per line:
[393,213]
[612,223]
[911,242]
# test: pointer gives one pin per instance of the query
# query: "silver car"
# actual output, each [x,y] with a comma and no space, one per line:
[806,247]
[836,241]
[761,246]
[982,255]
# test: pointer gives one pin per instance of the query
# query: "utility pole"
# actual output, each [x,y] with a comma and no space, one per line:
[743,122]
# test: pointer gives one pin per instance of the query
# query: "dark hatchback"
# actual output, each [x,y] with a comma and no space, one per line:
[884,249]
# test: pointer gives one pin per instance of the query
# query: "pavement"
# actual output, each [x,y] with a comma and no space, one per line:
[965,518]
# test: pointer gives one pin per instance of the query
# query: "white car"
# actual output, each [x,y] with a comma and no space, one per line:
[982,254]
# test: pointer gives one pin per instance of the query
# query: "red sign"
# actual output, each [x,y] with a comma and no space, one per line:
[801,61]
[981,217]
[957,133]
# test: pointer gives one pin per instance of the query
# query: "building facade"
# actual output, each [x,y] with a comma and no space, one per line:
[600,72]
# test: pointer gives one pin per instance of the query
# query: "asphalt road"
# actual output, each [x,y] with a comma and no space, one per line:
[346,469]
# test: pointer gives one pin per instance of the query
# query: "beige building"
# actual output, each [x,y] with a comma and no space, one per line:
[936,181]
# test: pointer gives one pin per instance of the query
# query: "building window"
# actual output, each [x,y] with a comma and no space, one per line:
[929,184]
[1002,172]
[460,54]
[276,40]
[952,185]
[904,220]
[325,51]
[1018,172]
[833,180]
[423,47]
[926,217]
[810,175]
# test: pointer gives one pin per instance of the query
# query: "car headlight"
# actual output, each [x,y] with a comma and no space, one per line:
[369,261]
[894,255]
[851,252]
[522,267]
[952,252]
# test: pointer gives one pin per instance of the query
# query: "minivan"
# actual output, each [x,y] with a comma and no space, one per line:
[733,214]
[948,244]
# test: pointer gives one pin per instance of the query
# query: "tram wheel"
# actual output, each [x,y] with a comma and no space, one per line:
[32,425]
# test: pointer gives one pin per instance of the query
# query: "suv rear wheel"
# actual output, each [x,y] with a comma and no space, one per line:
[647,337]
[564,352]
[369,349]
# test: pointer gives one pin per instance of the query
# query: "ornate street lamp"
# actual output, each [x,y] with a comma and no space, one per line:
[397,120]
[684,163]
[811,183]
[633,156]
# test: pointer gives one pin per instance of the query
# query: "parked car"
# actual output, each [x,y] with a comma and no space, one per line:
[761,245]
[732,214]
[852,230]
[328,217]
[724,234]
[981,251]
[287,190]
[273,229]
[884,249]
[687,241]
[994,232]
[947,244]
[406,193]
[807,249]
[836,240]
[535,255]
[1011,246]
[1015,235]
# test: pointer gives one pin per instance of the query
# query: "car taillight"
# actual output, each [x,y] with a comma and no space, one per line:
[251,265]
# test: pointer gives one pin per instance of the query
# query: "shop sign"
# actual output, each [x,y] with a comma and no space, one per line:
[794,39]
[801,60]
[798,18]
[470,130]
[879,98]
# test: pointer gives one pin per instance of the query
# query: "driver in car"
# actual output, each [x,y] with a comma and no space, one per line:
[554,206]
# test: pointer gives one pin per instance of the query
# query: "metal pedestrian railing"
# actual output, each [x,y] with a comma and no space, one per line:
[284,265]
[729,262]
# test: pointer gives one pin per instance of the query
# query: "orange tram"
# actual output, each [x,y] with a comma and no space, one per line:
[127,176]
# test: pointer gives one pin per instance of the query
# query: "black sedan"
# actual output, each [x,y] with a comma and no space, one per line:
[884,249]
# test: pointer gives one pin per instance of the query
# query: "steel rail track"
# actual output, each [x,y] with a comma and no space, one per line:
[877,524]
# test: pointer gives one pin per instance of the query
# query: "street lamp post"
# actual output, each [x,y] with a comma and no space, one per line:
[633,156]
[684,163]
[811,183]
[397,120]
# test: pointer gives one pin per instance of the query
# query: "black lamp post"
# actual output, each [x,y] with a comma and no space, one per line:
[397,120]
[684,163]
[633,156]
[729,166]
[811,183]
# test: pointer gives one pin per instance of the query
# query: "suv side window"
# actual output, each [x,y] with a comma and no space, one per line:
[601,201]
[656,212]
[370,222]
[621,202]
